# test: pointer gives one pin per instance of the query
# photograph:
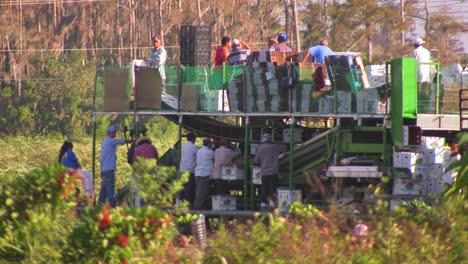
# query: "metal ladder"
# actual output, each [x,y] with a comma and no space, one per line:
[463,101]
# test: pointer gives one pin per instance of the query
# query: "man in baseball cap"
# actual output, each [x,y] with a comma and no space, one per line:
[426,97]
[109,165]
[282,46]
[418,41]
[111,129]
[239,53]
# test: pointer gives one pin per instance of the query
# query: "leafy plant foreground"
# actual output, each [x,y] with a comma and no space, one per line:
[39,223]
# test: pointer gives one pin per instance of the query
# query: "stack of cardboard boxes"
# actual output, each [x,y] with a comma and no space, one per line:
[422,171]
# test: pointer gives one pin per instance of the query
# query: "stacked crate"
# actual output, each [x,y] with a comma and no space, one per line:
[422,171]
[450,89]
[267,87]
[195,44]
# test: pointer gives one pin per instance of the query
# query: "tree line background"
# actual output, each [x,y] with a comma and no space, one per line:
[50,49]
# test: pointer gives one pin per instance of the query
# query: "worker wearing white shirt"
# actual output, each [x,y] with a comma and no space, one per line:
[422,55]
[205,160]
[188,162]
[157,59]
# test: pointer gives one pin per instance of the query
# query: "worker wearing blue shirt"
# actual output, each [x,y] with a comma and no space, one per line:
[108,166]
[319,52]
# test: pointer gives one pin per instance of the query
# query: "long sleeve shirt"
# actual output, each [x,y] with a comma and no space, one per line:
[158,58]
[267,156]
[109,153]
[223,156]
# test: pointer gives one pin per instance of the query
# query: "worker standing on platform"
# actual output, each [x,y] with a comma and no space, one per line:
[422,56]
[188,162]
[318,52]
[222,52]
[157,59]
[282,46]
[267,157]
[205,158]
[239,53]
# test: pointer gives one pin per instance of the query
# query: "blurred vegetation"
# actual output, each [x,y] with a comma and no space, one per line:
[38,223]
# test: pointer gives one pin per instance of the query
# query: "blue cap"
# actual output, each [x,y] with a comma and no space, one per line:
[111,129]
[282,36]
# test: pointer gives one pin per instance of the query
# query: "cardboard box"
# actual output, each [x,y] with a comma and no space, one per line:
[326,104]
[397,202]
[407,160]
[297,135]
[256,175]
[223,203]
[406,186]
[189,97]
[232,172]
[286,197]
[432,142]
[436,156]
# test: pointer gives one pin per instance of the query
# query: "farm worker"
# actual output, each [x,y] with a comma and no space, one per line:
[67,157]
[422,55]
[271,44]
[157,59]
[318,52]
[222,52]
[223,156]
[454,156]
[282,46]
[221,55]
[267,157]
[109,165]
[88,185]
[188,162]
[240,52]
[144,149]
[205,157]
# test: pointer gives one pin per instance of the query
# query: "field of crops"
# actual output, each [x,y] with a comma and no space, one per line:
[39,224]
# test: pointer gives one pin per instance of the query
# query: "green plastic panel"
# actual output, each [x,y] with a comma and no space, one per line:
[403,95]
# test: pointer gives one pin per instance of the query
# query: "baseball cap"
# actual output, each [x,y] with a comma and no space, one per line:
[266,138]
[111,129]
[282,36]
[235,42]
[418,41]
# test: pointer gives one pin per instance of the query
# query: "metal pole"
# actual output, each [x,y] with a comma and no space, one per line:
[291,152]
[179,151]
[93,162]
[437,87]
[246,165]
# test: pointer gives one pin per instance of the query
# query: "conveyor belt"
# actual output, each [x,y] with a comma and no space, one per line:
[309,154]
[204,126]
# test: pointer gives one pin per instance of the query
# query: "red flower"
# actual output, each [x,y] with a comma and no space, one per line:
[106,221]
[123,240]
[124,261]
[60,180]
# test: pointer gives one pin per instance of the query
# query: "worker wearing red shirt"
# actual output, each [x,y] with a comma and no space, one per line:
[222,52]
